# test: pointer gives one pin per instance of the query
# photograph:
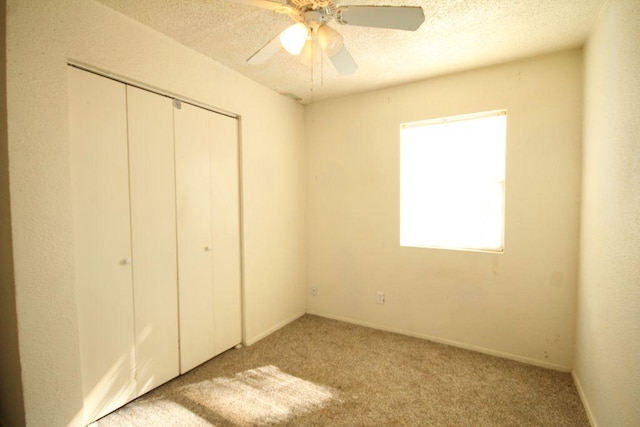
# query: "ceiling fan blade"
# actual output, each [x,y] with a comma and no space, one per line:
[265,53]
[343,62]
[274,5]
[407,18]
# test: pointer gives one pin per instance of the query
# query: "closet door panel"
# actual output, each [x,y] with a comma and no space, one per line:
[193,184]
[153,228]
[98,142]
[225,211]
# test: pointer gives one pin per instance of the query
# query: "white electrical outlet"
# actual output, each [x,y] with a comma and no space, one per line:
[314,291]
[380,297]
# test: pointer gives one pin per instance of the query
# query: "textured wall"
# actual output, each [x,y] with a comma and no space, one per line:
[11,402]
[41,37]
[607,366]
[519,304]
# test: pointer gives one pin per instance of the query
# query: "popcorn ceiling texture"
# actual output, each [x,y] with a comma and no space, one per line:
[456,35]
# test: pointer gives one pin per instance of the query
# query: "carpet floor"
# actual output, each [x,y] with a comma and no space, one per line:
[321,372]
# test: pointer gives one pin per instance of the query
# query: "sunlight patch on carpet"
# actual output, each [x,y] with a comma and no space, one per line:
[259,396]
[155,412]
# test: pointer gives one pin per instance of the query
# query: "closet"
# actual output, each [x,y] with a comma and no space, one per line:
[156,235]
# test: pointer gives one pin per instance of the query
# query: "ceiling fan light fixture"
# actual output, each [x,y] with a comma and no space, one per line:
[312,16]
[294,38]
[330,40]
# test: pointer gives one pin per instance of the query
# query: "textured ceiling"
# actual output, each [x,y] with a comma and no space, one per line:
[456,35]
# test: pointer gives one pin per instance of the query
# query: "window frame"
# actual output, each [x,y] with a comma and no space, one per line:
[448,120]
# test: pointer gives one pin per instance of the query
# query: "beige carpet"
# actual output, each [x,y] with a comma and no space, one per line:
[320,372]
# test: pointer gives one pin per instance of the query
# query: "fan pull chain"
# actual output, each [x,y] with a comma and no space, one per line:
[321,70]
[313,53]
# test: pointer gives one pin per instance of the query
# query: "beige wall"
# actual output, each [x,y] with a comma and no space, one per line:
[11,403]
[519,304]
[41,37]
[607,366]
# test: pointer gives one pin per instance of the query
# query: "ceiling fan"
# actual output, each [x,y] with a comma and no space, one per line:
[311,29]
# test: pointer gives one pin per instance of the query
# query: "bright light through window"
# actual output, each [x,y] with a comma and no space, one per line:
[452,182]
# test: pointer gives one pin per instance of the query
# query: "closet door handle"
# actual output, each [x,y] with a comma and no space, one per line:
[126,261]
[207,248]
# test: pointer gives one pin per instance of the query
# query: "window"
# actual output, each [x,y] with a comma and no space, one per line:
[452,182]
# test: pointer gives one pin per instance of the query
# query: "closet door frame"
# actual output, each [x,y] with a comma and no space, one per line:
[129,392]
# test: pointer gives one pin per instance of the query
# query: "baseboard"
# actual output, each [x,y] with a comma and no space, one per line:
[280,325]
[583,398]
[466,346]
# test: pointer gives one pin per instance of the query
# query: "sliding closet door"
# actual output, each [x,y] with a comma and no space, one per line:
[153,229]
[227,331]
[98,142]
[193,189]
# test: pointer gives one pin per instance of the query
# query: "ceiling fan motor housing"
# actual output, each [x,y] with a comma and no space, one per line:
[315,12]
